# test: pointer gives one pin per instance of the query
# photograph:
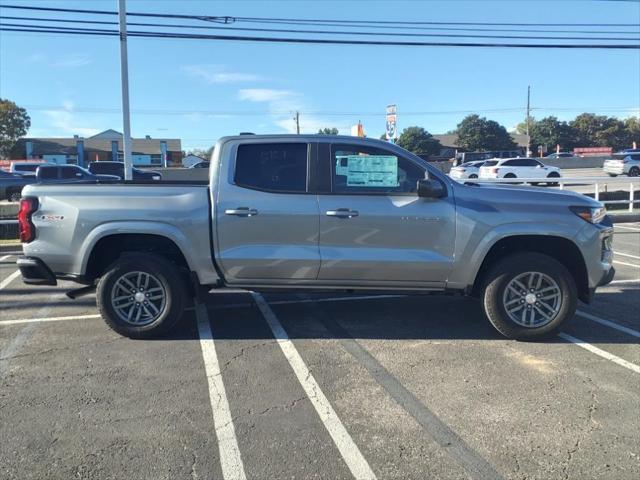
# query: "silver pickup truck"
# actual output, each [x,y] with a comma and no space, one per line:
[309,212]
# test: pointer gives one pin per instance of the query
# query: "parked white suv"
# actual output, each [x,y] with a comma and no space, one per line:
[518,168]
[623,164]
[466,170]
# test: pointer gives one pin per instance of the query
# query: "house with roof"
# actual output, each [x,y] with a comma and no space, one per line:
[104,146]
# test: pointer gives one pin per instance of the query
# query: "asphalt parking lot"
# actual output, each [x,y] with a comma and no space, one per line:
[320,386]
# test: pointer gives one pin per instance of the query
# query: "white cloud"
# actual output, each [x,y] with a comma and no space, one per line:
[73,61]
[65,122]
[217,74]
[282,105]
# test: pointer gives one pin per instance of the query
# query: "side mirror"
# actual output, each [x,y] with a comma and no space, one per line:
[428,188]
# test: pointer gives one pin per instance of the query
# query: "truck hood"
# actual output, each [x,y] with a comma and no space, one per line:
[526,194]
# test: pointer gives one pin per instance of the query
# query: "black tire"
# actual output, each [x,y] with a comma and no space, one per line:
[510,175]
[553,175]
[613,175]
[164,273]
[502,274]
[473,175]
[634,172]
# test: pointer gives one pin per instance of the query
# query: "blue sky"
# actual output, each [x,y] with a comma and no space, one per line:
[71,84]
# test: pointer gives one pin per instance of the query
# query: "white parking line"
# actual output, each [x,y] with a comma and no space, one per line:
[627,255]
[626,264]
[609,323]
[230,458]
[598,351]
[626,228]
[350,452]
[6,257]
[45,319]
[9,279]
[307,300]
[618,282]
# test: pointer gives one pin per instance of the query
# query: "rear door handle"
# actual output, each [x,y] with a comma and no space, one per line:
[342,213]
[241,212]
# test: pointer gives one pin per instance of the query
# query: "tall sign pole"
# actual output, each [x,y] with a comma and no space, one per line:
[528,120]
[124,77]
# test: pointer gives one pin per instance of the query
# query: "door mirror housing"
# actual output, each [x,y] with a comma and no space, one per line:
[428,188]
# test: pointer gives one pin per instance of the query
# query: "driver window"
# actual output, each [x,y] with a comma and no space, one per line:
[357,169]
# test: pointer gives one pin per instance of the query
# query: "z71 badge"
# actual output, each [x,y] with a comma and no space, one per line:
[52,218]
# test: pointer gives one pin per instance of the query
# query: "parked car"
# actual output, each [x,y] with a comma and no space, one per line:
[117,169]
[466,170]
[465,157]
[554,155]
[70,174]
[318,212]
[518,168]
[11,185]
[623,164]
[204,164]
[26,168]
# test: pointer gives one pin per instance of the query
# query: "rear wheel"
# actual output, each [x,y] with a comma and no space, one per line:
[473,175]
[528,296]
[612,175]
[141,295]
[553,175]
[634,172]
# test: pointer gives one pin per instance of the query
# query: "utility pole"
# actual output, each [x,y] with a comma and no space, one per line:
[297,119]
[528,118]
[124,78]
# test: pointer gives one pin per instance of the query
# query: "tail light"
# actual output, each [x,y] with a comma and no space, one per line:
[26,226]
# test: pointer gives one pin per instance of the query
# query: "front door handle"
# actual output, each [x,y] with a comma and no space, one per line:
[342,213]
[241,212]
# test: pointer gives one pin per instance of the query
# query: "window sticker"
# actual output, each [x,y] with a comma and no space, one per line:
[368,170]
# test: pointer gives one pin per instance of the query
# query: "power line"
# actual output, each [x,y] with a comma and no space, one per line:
[299,21]
[317,41]
[323,32]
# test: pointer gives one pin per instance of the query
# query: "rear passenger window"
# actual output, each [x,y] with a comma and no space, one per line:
[274,167]
[48,173]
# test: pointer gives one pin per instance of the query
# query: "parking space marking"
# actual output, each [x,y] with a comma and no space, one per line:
[626,264]
[627,255]
[609,323]
[626,227]
[9,279]
[47,319]
[477,467]
[307,300]
[602,353]
[230,458]
[350,452]
[619,282]
[6,257]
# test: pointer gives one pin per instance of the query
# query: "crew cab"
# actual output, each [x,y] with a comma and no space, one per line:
[518,168]
[69,174]
[117,169]
[318,212]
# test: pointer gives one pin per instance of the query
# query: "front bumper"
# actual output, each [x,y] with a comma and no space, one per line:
[607,277]
[35,272]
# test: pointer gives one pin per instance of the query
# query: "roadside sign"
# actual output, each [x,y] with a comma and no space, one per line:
[392,126]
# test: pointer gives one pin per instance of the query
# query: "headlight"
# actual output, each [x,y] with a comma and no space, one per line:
[590,214]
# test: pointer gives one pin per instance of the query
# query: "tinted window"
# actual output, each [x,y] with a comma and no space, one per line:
[367,170]
[530,162]
[490,163]
[511,163]
[26,168]
[275,167]
[48,173]
[67,172]
[635,157]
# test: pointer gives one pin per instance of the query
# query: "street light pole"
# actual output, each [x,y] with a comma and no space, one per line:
[124,77]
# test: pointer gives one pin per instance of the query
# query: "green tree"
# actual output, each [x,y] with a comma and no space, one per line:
[550,132]
[328,131]
[14,123]
[476,133]
[632,125]
[419,141]
[586,125]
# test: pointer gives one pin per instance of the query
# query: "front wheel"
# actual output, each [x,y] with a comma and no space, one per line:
[141,295]
[634,172]
[528,296]
[553,175]
[473,175]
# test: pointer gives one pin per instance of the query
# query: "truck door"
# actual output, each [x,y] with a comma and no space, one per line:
[374,229]
[266,221]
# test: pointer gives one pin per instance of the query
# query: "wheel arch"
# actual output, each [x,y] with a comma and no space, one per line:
[562,249]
